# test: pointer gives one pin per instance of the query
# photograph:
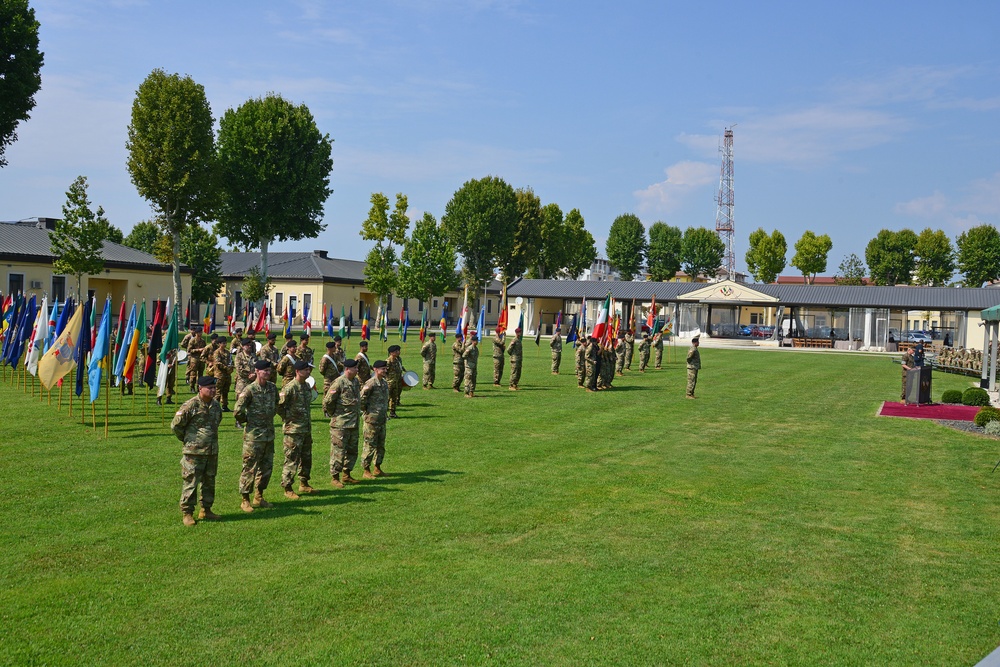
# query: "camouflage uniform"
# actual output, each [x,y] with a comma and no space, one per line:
[620,356]
[222,369]
[305,353]
[329,370]
[471,359]
[195,364]
[498,352]
[340,357]
[693,366]
[907,362]
[658,348]
[629,349]
[593,355]
[429,354]
[394,378]
[457,363]
[643,354]
[556,345]
[364,368]
[342,403]
[581,363]
[169,390]
[295,408]
[245,372]
[375,406]
[196,424]
[515,351]
[271,353]
[255,408]
[286,367]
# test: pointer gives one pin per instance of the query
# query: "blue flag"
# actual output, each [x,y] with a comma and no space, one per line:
[406,322]
[26,322]
[53,318]
[100,352]
[82,346]
[126,342]
[481,324]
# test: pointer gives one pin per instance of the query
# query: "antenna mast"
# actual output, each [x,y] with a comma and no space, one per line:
[725,222]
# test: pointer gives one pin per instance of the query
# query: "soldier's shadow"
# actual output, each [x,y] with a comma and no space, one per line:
[415,477]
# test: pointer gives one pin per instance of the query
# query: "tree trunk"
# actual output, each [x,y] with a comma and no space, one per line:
[178,287]
[264,242]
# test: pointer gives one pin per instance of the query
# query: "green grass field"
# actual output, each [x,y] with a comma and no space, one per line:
[776,520]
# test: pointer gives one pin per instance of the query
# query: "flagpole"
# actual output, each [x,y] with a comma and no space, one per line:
[107,390]
[70,394]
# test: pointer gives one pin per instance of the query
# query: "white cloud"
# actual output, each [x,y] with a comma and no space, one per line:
[978,205]
[682,178]
[923,207]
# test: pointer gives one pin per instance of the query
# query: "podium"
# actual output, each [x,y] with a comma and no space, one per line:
[918,385]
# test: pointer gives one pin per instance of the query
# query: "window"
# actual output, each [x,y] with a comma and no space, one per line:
[59,288]
[388,304]
[307,305]
[238,313]
[91,293]
[420,305]
[15,283]
[489,306]
[279,304]
[293,304]
[435,303]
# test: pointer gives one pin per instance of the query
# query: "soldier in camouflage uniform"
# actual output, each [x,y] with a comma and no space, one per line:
[339,355]
[394,378]
[168,388]
[328,367]
[644,353]
[196,424]
[620,348]
[629,348]
[498,352]
[295,409]
[429,354]
[581,362]
[286,367]
[343,404]
[658,349]
[195,364]
[908,365]
[304,352]
[374,407]
[255,409]
[693,365]
[593,355]
[364,366]
[222,369]
[471,358]
[602,367]
[457,363]
[516,352]
[289,343]
[208,354]
[246,358]
[237,339]
[556,346]
[270,352]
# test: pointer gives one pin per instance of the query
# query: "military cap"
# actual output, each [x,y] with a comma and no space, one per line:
[290,342]
[378,364]
[304,336]
[696,338]
[214,336]
[363,343]
[302,364]
[206,381]
[518,330]
[220,339]
[262,364]
[330,345]
[394,348]
[272,336]
[351,363]
[337,338]
[432,333]
[248,341]
[474,337]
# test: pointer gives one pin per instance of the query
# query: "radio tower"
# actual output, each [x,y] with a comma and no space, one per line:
[725,222]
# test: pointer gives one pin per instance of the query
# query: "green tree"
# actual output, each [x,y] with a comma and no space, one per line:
[171,148]
[664,256]
[145,236]
[386,230]
[527,237]
[811,252]
[626,245]
[890,257]
[552,243]
[851,271]
[580,250]
[481,220]
[20,68]
[766,256]
[701,252]
[427,266]
[200,251]
[78,239]
[979,255]
[112,233]
[935,258]
[274,172]
[255,287]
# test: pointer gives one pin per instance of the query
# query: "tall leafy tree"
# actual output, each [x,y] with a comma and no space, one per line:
[201,253]
[20,68]
[386,230]
[935,258]
[811,252]
[626,245]
[527,237]
[766,256]
[580,250]
[78,239]
[664,256]
[979,255]
[481,220]
[552,243]
[171,146]
[701,252]
[427,266]
[144,236]
[851,271]
[890,257]
[274,166]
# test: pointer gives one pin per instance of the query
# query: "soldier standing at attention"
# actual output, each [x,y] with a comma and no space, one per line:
[295,409]
[328,367]
[289,343]
[581,362]
[171,378]
[222,369]
[304,352]
[374,407]
[255,408]
[693,365]
[620,355]
[457,363]
[498,352]
[908,364]
[471,357]
[592,356]
[556,345]
[286,367]
[516,355]
[246,359]
[429,354]
[343,404]
[339,355]
[270,352]
[195,365]
[394,378]
[629,348]
[658,348]
[196,424]
[238,338]
[644,353]
[364,366]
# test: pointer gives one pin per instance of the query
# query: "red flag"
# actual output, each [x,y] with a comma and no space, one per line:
[602,319]
[651,317]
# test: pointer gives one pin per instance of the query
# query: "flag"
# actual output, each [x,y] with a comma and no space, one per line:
[187,316]
[651,316]
[559,320]
[247,316]
[462,326]
[382,317]
[602,319]
[138,334]
[481,323]
[423,325]
[119,336]
[572,335]
[307,326]
[101,345]
[631,319]
[229,318]
[520,321]
[583,320]
[287,328]
[405,323]
[350,321]
[342,331]
[365,333]
[58,361]
[155,343]
[11,319]
[93,322]
[40,331]
[169,344]
[502,319]
[51,329]
[444,329]
[83,346]
[538,333]
[124,343]
[25,322]
[261,319]
[328,320]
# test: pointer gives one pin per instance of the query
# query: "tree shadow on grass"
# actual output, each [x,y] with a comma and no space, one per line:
[414,477]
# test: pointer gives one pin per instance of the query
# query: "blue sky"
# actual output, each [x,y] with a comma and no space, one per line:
[850,116]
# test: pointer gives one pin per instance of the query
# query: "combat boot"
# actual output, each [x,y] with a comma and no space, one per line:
[258,501]
[159,400]
[367,474]
[304,487]
[245,505]
[188,519]
[336,483]
[291,495]
[348,479]
[378,472]
[207,514]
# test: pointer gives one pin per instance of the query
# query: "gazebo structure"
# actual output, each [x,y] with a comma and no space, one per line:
[991,331]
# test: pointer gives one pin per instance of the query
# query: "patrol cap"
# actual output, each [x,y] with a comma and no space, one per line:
[378,364]
[331,345]
[352,363]
[394,348]
[206,381]
[262,364]
[302,364]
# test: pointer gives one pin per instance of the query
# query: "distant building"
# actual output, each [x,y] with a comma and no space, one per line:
[601,270]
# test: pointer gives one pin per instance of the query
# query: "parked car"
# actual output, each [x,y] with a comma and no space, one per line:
[918,337]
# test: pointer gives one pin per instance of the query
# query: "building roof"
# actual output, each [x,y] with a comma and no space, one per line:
[29,241]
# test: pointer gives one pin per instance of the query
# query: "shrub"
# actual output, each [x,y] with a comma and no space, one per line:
[986,415]
[992,428]
[975,396]
[951,396]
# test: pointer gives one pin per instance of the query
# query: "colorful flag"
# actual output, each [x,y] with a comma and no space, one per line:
[40,331]
[187,316]
[502,318]
[169,344]
[651,316]
[572,335]
[481,323]
[307,326]
[83,346]
[382,317]
[124,344]
[261,319]
[287,328]
[583,320]
[423,325]
[328,319]
[155,343]
[559,320]
[138,336]
[58,361]
[342,330]
[602,319]
[51,329]
[25,323]
[365,333]
[101,351]
[405,323]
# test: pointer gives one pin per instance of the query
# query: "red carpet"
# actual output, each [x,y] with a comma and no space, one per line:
[931,411]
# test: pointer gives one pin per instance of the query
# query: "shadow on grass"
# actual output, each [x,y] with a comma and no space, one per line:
[415,477]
